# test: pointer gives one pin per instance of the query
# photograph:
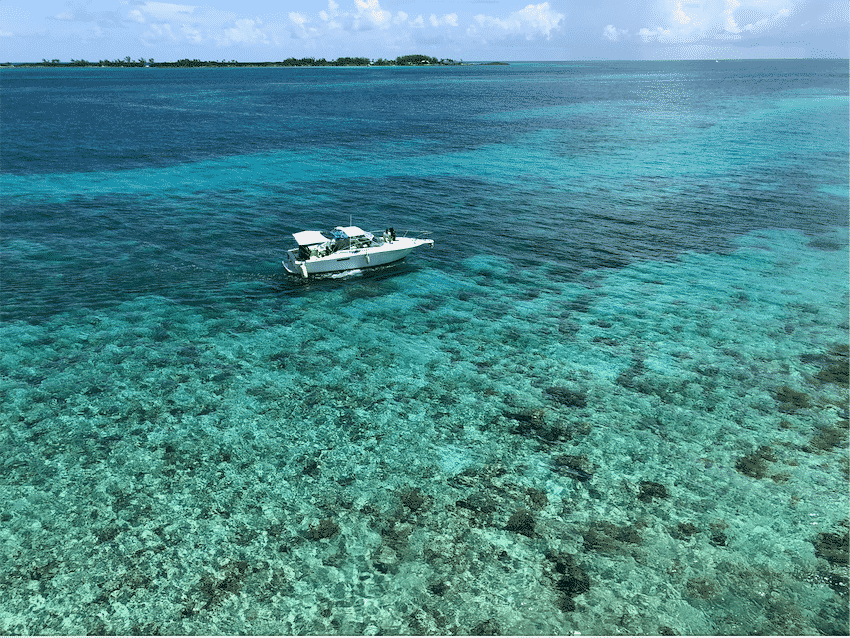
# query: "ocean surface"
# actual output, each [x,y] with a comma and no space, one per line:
[612,399]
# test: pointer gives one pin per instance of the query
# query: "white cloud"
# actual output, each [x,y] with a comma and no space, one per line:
[656,35]
[192,34]
[450,19]
[79,14]
[244,31]
[191,24]
[532,21]
[837,12]
[612,33]
[730,25]
[686,21]
[771,22]
[167,22]
[158,33]
[298,18]
[331,13]
[330,16]
[680,15]
[162,12]
[370,15]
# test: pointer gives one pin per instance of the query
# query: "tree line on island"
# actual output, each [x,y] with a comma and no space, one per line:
[403,60]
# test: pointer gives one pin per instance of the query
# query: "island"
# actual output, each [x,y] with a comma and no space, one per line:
[403,60]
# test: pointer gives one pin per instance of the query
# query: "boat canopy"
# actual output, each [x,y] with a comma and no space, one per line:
[338,234]
[309,237]
[353,231]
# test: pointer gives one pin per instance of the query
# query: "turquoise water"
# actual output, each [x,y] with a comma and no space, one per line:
[611,400]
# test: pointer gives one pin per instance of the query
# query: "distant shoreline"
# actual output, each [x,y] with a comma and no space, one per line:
[405,60]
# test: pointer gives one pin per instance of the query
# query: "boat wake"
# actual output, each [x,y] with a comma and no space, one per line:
[345,274]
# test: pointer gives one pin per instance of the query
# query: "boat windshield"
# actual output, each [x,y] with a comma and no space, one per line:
[349,237]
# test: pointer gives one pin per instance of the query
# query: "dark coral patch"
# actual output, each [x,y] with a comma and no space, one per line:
[839,583]
[537,498]
[534,418]
[834,373]
[791,400]
[754,464]
[824,243]
[831,546]
[567,397]
[650,490]
[718,536]
[627,377]
[835,364]
[412,499]
[684,530]
[573,583]
[533,423]
[606,537]
[575,467]
[479,503]
[311,468]
[325,529]
[569,328]
[828,438]
[397,536]
[521,522]
[214,590]
[702,588]
[569,579]
[487,627]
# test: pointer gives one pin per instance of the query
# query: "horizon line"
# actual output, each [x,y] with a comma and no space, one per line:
[116,62]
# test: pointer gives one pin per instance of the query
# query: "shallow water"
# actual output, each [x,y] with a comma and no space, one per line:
[611,399]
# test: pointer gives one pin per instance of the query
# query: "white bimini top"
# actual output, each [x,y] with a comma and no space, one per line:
[352,231]
[309,237]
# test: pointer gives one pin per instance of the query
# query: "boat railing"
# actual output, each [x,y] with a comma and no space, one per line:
[416,234]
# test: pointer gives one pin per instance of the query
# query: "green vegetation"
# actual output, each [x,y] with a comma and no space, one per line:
[413,60]
[404,60]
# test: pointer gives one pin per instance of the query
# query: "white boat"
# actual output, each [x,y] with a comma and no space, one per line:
[346,248]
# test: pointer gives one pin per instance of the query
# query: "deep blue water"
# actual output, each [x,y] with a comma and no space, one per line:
[612,399]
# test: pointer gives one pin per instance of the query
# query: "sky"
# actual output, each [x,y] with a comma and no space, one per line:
[467,30]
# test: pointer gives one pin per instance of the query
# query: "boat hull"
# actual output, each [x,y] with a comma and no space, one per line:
[344,260]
